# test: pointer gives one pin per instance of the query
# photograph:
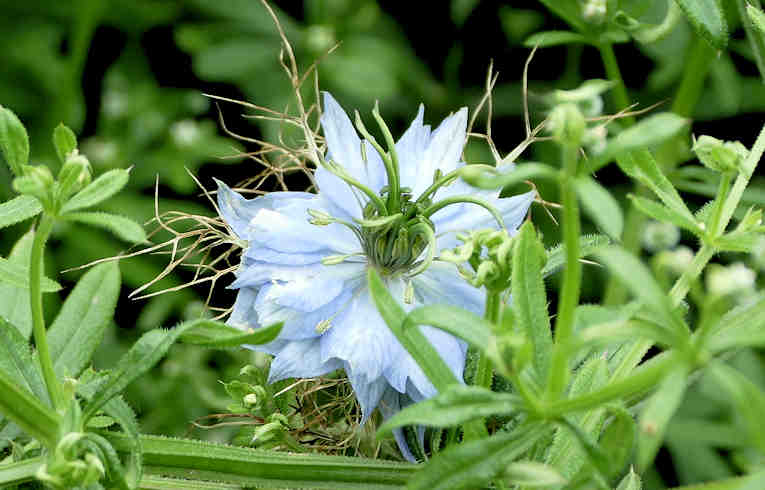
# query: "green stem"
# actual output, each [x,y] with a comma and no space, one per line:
[434,208]
[572,276]
[716,227]
[44,228]
[197,460]
[696,69]
[19,472]
[621,98]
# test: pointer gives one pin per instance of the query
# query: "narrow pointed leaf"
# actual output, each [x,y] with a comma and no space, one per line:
[708,20]
[741,327]
[636,277]
[17,275]
[64,141]
[412,339]
[17,362]
[750,11]
[456,405]
[600,206]
[18,209]
[122,227]
[19,472]
[748,399]
[79,327]
[14,141]
[662,213]
[531,474]
[657,413]
[631,481]
[546,39]
[588,245]
[459,322]
[218,335]
[475,463]
[530,298]
[14,301]
[102,188]
[26,411]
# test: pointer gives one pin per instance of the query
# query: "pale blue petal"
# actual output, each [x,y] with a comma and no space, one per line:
[443,151]
[368,392]
[255,273]
[300,359]
[311,292]
[410,149]
[243,315]
[360,337]
[260,254]
[441,284]
[237,211]
[390,404]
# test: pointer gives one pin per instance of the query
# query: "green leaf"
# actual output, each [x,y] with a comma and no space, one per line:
[631,481]
[532,474]
[656,414]
[530,298]
[568,10]
[546,39]
[748,399]
[102,188]
[79,327]
[454,406]
[14,301]
[741,327]
[753,20]
[636,277]
[121,412]
[64,141]
[122,227]
[412,339]
[14,141]
[708,20]
[18,209]
[20,472]
[17,362]
[475,463]
[600,206]
[588,245]
[648,132]
[618,440]
[662,213]
[18,276]
[459,322]
[218,335]
[26,411]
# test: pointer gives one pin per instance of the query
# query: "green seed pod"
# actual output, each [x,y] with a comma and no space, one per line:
[722,156]
[75,174]
[567,124]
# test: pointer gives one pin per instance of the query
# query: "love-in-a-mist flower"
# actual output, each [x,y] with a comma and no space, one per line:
[393,209]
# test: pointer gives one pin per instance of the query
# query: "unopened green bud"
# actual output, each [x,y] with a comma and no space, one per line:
[74,175]
[250,400]
[36,181]
[567,124]
[659,235]
[722,156]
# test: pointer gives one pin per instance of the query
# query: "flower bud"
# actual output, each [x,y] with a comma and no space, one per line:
[36,181]
[594,11]
[675,261]
[659,235]
[567,124]
[74,175]
[722,156]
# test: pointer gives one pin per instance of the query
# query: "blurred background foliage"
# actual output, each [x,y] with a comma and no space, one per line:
[129,77]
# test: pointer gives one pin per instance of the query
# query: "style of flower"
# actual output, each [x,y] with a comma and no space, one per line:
[307,254]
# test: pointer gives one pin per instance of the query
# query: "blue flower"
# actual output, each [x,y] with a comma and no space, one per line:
[307,254]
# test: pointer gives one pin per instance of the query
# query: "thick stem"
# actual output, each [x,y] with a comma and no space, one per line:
[572,276]
[38,319]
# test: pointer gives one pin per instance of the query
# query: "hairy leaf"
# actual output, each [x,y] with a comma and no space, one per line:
[18,209]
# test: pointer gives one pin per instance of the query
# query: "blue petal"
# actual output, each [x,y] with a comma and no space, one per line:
[237,211]
[344,148]
[300,359]
[368,393]
[256,273]
[443,151]
[360,337]
[243,315]
[311,292]
[390,404]
[410,148]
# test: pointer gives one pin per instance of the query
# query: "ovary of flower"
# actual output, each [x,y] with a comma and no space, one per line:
[312,277]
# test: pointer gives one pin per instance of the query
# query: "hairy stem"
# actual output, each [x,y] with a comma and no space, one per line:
[44,228]
[572,276]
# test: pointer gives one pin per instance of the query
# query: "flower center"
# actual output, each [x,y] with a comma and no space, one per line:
[394,244]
